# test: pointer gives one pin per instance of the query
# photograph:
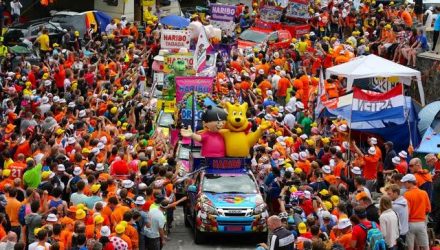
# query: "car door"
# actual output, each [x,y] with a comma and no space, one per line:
[55,33]
[192,196]
[284,39]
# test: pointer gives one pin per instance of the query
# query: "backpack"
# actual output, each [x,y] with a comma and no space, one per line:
[22,214]
[375,239]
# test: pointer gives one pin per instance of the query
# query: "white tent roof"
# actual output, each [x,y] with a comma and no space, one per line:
[375,66]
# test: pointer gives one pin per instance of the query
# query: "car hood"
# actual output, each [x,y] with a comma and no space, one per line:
[232,200]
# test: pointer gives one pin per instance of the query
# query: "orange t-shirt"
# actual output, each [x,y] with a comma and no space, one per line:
[407,18]
[24,148]
[264,86]
[131,232]
[12,208]
[118,214]
[304,165]
[345,240]
[338,168]
[418,204]
[283,85]
[370,167]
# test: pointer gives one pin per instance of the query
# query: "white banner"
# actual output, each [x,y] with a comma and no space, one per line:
[200,52]
[175,39]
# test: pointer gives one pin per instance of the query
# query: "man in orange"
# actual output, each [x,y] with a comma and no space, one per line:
[17,168]
[406,16]
[264,85]
[118,214]
[12,208]
[283,85]
[371,166]
[388,39]
[418,207]
[131,231]
[423,177]
[343,230]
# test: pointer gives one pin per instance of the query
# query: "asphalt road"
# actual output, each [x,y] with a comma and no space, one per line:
[181,238]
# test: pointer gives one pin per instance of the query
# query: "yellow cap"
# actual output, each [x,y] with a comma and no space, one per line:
[302,228]
[325,140]
[299,130]
[328,204]
[95,188]
[37,230]
[144,164]
[55,45]
[98,219]
[80,214]
[114,110]
[293,189]
[120,229]
[6,172]
[298,171]
[29,159]
[287,165]
[76,33]
[323,192]
[28,84]
[59,131]
[81,206]
[86,151]
[45,76]
[45,174]
[388,26]
[335,199]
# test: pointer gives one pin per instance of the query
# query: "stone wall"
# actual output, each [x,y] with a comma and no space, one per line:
[430,76]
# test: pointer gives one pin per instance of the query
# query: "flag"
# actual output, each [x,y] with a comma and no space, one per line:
[200,52]
[321,94]
[370,106]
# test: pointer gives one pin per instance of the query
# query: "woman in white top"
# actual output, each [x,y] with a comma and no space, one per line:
[389,222]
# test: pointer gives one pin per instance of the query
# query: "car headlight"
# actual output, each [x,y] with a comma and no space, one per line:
[209,209]
[260,209]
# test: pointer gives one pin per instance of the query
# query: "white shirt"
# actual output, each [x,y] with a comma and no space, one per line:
[389,226]
[7,245]
[67,83]
[110,28]
[123,23]
[429,17]
[275,80]
[15,8]
[289,121]
[44,108]
[35,246]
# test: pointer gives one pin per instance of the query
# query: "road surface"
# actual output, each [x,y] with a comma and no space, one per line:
[181,238]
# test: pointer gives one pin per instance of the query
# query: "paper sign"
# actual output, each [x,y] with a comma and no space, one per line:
[185,84]
[223,12]
[175,39]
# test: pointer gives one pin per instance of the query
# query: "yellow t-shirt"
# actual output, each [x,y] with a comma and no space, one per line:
[43,39]
[302,47]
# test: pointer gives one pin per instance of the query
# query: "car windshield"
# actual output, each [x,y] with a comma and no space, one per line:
[243,184]
[183,153]
[166,119]
[253,36]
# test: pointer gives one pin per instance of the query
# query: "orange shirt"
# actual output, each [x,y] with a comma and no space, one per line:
[370,167]
[92,233]
[245,85]
[283,85]
[12,208]
[24,148]
[340,166]
[131,232]
[17,169]
[6,182]
[66,238]
[264,86]
[304,165]
[345,240]
[407,18]
[418,204]
[118,214]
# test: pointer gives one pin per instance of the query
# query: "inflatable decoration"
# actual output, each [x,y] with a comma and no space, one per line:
[179,69]
[238,140]
[213,144]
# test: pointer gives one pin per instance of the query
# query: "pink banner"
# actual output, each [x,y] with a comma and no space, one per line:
[185,84]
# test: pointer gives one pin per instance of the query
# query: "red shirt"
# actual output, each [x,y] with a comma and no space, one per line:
[31,78]
[59,78]
[360,235]
[119,168]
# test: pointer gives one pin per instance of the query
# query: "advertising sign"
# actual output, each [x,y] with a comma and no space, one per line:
[175,39]
[298,9]
[188,84]
[223,12]
[271,14]
[169,59]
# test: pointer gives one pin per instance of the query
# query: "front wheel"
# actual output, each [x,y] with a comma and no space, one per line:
[199,237]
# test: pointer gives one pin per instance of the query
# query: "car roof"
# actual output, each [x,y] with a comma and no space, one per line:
[30,23]
[70,13]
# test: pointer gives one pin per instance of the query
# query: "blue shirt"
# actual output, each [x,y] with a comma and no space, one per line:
[423,41]
[437,23]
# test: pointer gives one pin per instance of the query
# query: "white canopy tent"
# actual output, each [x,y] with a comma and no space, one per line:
[374,66]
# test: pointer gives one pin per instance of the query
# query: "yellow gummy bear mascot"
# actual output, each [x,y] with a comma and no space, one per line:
[237,141]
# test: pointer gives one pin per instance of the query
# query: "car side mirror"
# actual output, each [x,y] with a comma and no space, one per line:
[192,188]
